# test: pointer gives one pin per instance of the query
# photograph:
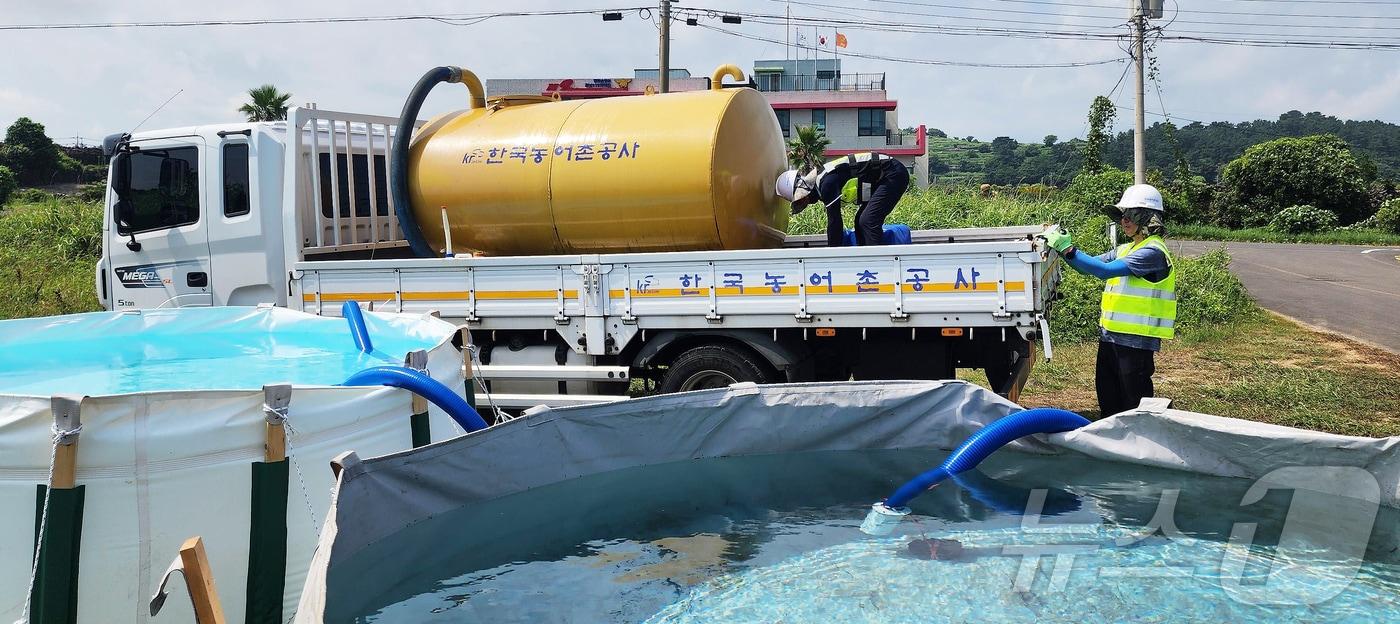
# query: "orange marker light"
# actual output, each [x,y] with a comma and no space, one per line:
[952,331]
[826,332]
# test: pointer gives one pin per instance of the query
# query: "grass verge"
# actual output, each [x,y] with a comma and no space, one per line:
[1369,236]
[47,253]
[1272,370]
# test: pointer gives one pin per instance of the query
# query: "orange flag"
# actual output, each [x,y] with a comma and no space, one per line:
[840,40]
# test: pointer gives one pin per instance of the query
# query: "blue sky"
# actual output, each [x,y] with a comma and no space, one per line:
[94,82]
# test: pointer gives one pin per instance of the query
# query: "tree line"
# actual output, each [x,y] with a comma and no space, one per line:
[1205,149]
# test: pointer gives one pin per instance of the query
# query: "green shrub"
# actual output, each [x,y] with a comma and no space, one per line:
[1316,170]
[1094,191]
[1192,199]
[1208,295]
[95,192]
[1388,217]
[8,182]
[31,196]
[1303,219]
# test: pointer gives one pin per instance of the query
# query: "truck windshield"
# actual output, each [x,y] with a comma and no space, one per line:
[164,190]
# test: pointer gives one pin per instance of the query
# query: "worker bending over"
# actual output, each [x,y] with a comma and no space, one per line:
[1138,307]
[872,181]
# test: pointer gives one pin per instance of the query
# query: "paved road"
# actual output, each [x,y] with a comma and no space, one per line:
[1349,289]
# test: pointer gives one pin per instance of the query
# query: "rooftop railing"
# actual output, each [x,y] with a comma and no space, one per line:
[820,82]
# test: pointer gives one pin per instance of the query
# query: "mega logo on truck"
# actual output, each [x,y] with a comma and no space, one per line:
[147,275]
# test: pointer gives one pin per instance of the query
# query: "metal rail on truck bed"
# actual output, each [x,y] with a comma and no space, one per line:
[996,277]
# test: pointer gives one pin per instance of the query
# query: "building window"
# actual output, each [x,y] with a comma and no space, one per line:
[826,74]
[784,117]
[770,82]
[871,122]
[819,119]
[236,199]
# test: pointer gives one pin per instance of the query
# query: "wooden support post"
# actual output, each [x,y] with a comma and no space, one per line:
[199,579]
[66,417]
[277,399]
[65,467]
[418,418]
[275,449]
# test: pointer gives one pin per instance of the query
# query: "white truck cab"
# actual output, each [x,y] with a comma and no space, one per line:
[192,218]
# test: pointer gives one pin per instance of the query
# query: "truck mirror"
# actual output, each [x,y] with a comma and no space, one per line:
[121,174]
[123,210]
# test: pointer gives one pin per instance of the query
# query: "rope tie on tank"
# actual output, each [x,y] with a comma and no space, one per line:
[60,437]
[279,415]
[276,415]
[475,352]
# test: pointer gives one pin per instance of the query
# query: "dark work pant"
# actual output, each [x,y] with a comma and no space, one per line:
[870,218]
[1122,377]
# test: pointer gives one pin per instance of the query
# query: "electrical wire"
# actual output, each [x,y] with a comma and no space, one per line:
[1209,37]
[1116,21]
[454,19]
[918,61]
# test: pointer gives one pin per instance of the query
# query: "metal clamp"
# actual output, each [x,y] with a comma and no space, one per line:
[67,418]
[277,401]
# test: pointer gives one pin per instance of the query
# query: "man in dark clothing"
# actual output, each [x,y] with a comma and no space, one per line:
[872,181]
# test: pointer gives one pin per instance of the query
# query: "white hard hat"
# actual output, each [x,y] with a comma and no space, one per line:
[795,188]
[787,183]
[1141,196]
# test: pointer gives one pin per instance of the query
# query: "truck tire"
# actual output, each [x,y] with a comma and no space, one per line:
[714,366]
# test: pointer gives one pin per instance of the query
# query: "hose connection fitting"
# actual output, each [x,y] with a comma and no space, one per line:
[882,519]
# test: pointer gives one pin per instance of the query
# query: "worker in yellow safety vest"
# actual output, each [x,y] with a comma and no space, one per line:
[870,180]
[1138,308]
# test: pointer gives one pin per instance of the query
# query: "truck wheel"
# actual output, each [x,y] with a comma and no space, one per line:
[713,366]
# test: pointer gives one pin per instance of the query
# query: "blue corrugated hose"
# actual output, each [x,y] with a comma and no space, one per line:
[424,386]
[358,331]
[986,441]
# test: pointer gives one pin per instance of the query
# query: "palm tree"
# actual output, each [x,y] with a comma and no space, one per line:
[805,150]
[268,104]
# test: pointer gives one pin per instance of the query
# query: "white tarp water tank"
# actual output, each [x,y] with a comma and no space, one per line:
[174,429]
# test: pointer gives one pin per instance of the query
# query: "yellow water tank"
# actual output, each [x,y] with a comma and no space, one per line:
[667,172]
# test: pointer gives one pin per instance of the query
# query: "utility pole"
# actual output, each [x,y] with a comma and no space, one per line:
[665,77]
[1139,147]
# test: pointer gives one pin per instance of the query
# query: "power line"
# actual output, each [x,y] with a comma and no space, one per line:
[1324,2]
[976,18]
[1117,21]
[919,61]
[454,19]
[1211,37]
[1202,11]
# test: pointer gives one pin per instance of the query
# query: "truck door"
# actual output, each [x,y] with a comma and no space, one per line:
[244,230]
[159,250]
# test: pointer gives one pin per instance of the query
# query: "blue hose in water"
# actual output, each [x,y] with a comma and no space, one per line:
[424,386]
[986,441]
[358,331]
